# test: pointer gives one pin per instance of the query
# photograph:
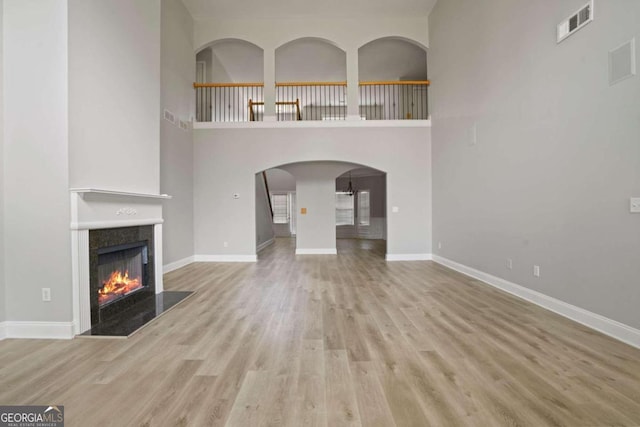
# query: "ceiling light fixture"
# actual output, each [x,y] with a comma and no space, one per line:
[350,191]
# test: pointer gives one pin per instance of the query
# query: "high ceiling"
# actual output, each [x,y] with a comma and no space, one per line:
[201,9]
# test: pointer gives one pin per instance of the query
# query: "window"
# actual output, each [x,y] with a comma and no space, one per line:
[363,208]
[280,204]
[344,208]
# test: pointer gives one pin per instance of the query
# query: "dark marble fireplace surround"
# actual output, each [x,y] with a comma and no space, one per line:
[109,237]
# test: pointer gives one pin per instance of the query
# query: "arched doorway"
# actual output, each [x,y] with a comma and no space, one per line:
[313,211]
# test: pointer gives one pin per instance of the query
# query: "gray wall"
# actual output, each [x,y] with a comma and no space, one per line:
[3,301]
[206,56]
[237,61]
[310,60]
[557,154]
[391,59]
[114,94]
[280,181]
[176,145]
[264,220]
[226,161]
[377,186]
[315,191]
[36,182]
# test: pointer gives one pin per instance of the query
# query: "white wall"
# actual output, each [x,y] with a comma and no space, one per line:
[557,154]
[3,300]
[264,219]
[36,197]
[226,161]
[114,94]
[176,145]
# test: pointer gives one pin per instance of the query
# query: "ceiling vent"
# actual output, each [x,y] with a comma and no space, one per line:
[576,21]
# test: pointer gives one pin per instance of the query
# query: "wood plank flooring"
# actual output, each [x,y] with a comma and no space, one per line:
[334,341]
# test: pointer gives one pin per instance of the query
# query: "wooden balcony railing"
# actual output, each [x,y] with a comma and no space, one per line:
[227,102]
[317,100]
[380,100]
[394,100]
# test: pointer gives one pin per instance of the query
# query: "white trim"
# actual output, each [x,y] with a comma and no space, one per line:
[39,330]
[119,193]
[157,258]
[408,257]
[95,225]
[314,124]
[226,258]
[3,330]
[269,242]
[172,266]
[595,321]
[326,251]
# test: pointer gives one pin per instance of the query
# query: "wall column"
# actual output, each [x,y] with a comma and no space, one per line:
[353,97]
[269,84]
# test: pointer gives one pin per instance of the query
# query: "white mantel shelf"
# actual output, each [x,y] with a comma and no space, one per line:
[119,193]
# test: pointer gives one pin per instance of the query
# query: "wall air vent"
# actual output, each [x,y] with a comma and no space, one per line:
[168,116]
[576,21]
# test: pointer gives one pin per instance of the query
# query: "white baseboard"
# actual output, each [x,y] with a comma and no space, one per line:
[326,251]
[607,326]
[225,258]
[3,331]
[38,330]
[167,268]
[408,257]
[265,244]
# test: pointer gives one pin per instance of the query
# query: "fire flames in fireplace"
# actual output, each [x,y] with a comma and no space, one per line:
[117,286]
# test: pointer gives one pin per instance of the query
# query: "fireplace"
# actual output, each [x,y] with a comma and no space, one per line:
[121,268]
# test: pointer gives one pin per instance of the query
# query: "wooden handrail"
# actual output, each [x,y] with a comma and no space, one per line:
[286,84]
[397,83]
[197,85]
[296,103]
[266,186]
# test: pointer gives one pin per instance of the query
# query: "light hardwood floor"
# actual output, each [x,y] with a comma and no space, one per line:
[333,341]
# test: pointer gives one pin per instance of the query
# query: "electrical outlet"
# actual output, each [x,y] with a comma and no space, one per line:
[536,270]
[634,205]
[46,294]
[226,244]
[509,263]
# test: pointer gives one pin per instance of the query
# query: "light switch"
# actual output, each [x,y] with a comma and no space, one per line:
[395,209]
[634,205]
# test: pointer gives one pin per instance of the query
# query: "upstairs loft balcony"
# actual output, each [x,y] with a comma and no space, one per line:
[305,101]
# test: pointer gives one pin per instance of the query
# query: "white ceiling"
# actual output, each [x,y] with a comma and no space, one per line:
[201,9]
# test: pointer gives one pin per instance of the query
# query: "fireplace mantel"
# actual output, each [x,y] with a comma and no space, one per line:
[93,209]
[119,193]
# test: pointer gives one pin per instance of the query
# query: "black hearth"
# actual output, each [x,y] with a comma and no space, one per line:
[122,281]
